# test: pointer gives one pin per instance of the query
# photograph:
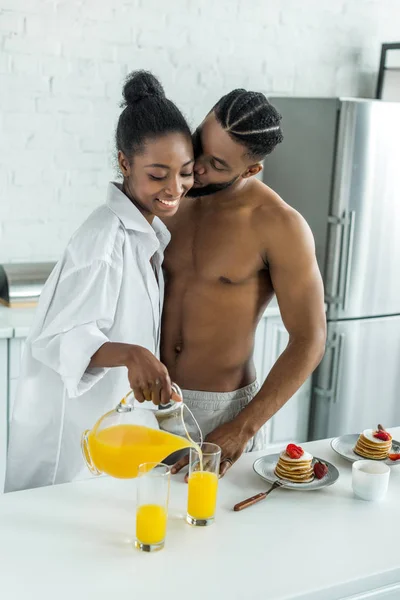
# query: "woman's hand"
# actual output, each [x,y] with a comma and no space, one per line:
[148,377]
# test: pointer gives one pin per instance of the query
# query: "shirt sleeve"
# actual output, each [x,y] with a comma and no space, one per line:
[80,314]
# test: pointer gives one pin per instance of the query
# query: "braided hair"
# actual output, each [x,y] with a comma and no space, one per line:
[250,120]
[147,114]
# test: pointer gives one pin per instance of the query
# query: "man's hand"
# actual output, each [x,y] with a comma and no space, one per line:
[230,438]
[232,441]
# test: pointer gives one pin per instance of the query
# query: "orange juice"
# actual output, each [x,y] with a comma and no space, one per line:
[151,524]
[120,449]
[202,494]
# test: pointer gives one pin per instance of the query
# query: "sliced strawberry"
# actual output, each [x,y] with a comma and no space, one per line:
[294,451]
[320,470]
[382,435]
[394,456]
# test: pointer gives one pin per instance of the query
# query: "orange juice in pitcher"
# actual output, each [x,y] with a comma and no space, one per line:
[119,450]
[129,436]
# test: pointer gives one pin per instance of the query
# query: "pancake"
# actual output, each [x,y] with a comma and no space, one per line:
[368,446]
[297,470]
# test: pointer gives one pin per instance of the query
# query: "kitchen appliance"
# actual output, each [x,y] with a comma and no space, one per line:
[339,166]
[21,283]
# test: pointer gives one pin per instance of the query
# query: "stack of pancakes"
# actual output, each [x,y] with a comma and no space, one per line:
[369,446]
[297,470]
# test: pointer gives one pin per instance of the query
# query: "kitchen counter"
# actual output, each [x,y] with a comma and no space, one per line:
[16,322]
[75,540]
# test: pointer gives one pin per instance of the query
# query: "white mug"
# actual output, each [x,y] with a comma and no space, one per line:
[370,479]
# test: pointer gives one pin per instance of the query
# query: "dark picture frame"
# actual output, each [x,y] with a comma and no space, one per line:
[382,66]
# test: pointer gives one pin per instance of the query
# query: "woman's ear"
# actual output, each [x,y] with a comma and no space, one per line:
[124,164]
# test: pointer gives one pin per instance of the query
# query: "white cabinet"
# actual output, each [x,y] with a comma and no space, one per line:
[290,424]
[16,348]
[3,408]
[10,362]
[15,355]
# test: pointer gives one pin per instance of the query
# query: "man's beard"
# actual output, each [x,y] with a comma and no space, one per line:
[212,188]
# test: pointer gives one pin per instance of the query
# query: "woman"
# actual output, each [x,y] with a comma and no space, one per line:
[99,312]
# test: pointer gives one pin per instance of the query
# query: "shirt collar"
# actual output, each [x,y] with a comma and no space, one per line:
[132,218]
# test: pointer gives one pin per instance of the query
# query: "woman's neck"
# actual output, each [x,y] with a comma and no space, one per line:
[147,215]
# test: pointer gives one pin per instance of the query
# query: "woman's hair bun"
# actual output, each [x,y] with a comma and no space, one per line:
[140,85]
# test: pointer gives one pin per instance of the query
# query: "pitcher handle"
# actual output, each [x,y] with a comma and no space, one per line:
[86,453]
[175,388]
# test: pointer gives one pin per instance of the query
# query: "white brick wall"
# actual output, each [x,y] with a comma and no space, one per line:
[62,63]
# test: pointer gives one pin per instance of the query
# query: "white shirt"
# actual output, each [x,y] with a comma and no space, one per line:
[103,289]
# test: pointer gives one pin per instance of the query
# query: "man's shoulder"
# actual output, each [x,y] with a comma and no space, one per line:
[276,220]
[270,209]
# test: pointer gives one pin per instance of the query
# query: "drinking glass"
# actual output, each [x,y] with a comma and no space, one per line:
[203,485]
[152,506]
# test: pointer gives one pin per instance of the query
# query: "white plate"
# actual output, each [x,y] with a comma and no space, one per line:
[265,468]
[344,445]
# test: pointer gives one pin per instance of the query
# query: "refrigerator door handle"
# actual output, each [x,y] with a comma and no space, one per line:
[336,229]
[337,367]
[340,259]
[331,392]
[349,259]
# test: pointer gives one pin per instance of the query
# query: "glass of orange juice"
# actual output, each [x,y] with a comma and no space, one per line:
[203,484]
[152,506]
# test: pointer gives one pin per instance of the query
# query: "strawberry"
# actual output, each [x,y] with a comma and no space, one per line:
[320,470]
[382,435]
[294,451]
[394,456]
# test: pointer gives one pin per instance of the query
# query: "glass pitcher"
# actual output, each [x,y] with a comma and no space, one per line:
[129,436]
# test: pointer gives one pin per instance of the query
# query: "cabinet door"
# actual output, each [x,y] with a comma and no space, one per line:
[15,354]
[12,389]
[16,349]
[290,424]
[3,408]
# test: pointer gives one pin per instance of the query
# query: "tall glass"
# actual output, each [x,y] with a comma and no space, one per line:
[203,485]
[152,506]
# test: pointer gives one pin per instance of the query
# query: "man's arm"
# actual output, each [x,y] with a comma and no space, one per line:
[297,282]
[299,290]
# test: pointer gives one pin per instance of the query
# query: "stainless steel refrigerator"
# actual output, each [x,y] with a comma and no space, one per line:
[339,165]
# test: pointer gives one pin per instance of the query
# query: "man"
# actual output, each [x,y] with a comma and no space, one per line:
[235,243]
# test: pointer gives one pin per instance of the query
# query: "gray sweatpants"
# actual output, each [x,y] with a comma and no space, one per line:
[212,409]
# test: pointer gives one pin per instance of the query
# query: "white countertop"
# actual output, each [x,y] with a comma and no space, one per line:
[16,322]
[75,541]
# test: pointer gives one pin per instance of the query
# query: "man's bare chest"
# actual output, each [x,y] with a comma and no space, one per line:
[220,247]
